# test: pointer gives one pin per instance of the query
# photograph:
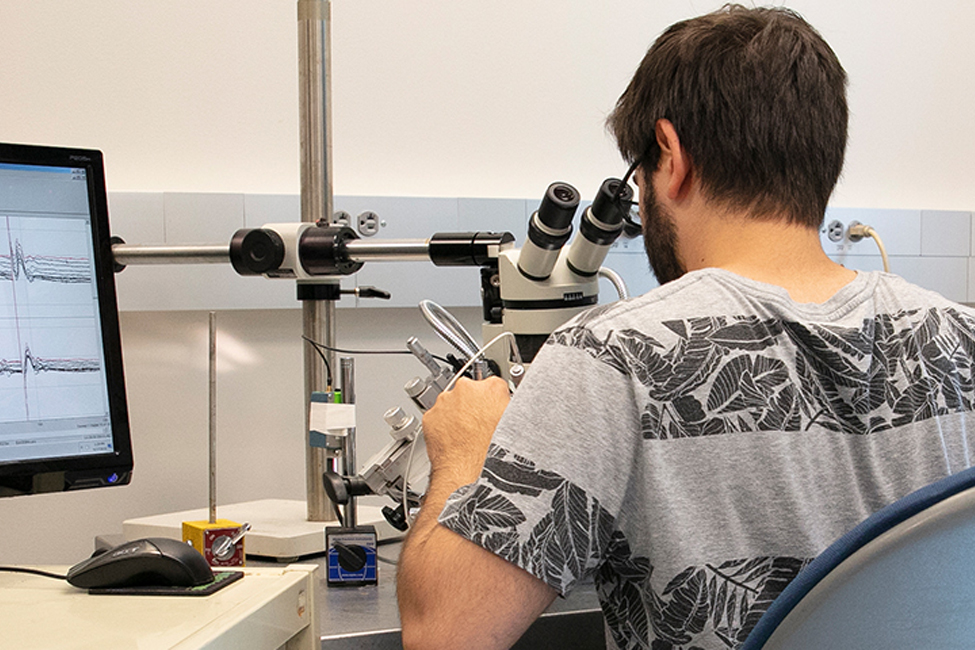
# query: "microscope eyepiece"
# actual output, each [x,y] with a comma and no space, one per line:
[609,208]
[553,221]
[601,225]
[548,230]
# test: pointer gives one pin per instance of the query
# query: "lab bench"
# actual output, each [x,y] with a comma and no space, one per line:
[276,605]
[367,618]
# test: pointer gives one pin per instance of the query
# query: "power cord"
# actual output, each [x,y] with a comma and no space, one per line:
[36,572]
[858,231]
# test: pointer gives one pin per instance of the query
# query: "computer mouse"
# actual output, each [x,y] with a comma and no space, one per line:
[155,561]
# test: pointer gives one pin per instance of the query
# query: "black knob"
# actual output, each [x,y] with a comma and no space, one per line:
[352,557]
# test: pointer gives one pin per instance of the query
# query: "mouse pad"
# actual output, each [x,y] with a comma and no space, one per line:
[220,580]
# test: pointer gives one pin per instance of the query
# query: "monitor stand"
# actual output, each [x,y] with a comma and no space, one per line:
[279,527]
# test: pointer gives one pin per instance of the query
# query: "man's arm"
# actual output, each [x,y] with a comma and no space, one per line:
[453,593]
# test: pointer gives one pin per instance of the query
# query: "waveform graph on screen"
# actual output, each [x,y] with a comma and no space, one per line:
[50,343]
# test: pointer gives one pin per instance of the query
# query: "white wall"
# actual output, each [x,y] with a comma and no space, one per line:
[446,98]
[435,98]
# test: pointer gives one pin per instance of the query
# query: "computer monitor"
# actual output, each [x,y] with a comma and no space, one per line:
[63,416]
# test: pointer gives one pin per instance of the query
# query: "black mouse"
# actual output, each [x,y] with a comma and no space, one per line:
[155,561]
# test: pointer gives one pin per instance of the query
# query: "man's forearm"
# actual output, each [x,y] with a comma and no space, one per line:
[423,589]
[453,593]
[418,578]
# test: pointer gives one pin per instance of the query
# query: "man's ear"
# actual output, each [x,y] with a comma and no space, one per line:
[675,163]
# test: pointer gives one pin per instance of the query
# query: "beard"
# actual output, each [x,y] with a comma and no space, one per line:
[660,238]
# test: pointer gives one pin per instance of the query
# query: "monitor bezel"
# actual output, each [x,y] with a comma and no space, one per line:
[98,470]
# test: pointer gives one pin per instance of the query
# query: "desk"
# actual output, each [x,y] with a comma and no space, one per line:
[367,618]
[271,607]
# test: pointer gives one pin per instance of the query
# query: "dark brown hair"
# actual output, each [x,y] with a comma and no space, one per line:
[758,100]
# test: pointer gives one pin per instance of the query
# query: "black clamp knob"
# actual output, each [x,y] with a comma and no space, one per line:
[367,292]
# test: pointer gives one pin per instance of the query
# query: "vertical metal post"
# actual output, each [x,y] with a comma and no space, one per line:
[348,397]
[212,376]
[315,124]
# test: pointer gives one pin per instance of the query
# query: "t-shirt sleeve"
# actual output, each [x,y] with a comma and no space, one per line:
[549,496]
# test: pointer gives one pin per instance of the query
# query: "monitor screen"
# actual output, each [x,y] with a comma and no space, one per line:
[63,414]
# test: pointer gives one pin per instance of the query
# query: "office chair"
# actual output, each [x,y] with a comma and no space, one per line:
[904,578]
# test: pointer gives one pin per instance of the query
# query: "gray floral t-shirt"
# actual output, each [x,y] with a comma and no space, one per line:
[693,449]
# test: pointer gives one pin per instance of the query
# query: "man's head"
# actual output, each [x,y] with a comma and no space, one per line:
[758,100]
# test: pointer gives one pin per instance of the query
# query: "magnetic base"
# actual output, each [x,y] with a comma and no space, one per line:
[351,559]
[205,536]
[279,527]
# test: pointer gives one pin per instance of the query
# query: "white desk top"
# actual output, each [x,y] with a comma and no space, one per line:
[266,609]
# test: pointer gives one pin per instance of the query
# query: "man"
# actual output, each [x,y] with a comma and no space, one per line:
[692,449]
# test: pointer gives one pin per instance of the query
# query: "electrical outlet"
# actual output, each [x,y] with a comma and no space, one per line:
[368,224]
[342,218]
[835,230]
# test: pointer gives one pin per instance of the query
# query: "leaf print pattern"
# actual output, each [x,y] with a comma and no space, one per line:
[715,605]
[700,377]
[725,374]
[560,548]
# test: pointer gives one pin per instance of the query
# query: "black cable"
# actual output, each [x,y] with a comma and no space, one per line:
[322,346]
[631,228]
[328,368]
[37,572]
[343,351]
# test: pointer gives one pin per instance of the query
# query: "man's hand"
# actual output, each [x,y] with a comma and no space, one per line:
[459,427]
[453,593]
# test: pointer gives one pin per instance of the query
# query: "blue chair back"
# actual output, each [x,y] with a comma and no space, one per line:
[904,578]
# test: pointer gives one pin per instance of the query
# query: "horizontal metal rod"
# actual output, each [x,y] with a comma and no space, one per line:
[391,250]
[358,250]
[127,254]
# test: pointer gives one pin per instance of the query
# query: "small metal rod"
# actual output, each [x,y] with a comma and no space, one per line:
[213,417]
[129,254]
[347,369]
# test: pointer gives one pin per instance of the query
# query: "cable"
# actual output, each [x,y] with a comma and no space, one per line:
[344,351]
[631,228]
[617,281]
[858,231]
[37,572]
[328,368]
[409,463]
[448,327]
[479,354]
[406,478]
[321,346]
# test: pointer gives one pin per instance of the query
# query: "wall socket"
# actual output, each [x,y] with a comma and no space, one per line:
[835,230]
[368,223]
[342,218]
